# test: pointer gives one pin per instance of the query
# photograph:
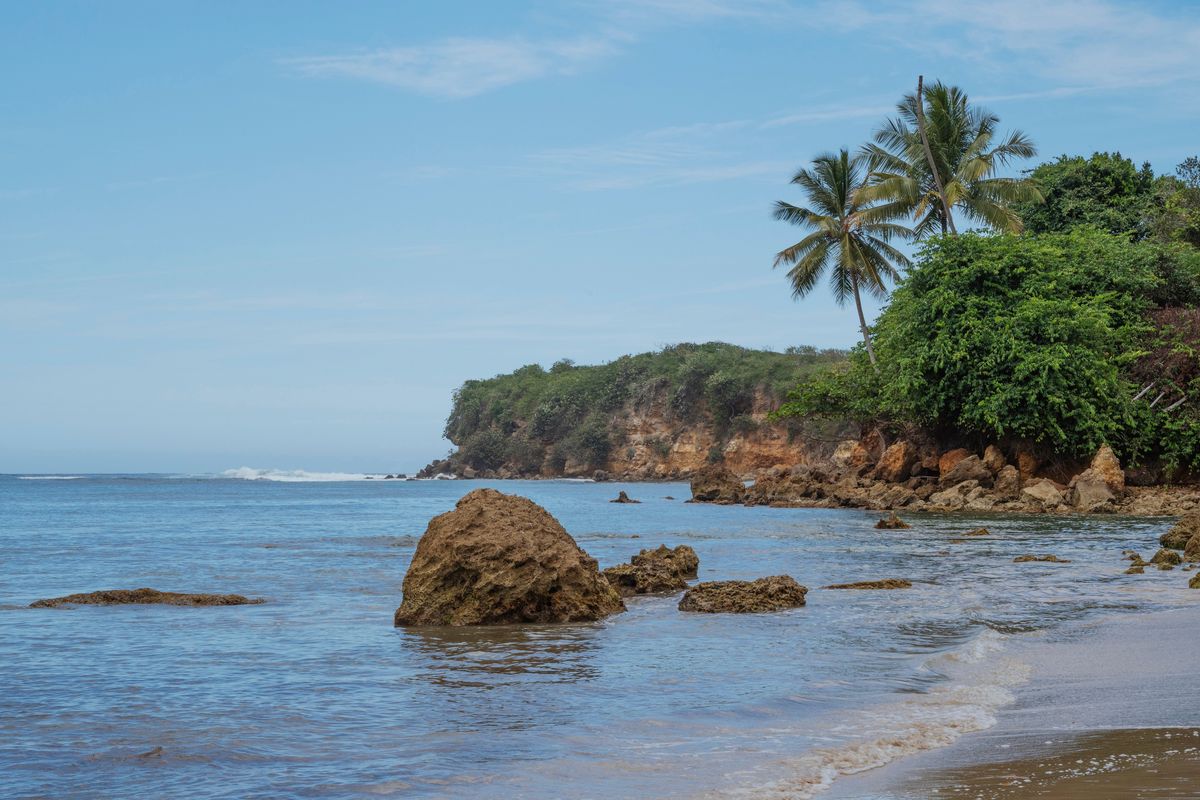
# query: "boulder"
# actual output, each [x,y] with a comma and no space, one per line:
[716,484]
[623,498]
[1043,494]
[631,579]
[115,597]
[681,560]
[886,583]
[896,463]
[1165,556]
[775,593]
[500,559]
[1008,483]
[1108,468]
[1191,551]
[1181,532]
[1027,464]
[1194,583]
[969,468]
[1088,492]
[953,498]
[994,459]
[868,450]
[891,522]
[950,459]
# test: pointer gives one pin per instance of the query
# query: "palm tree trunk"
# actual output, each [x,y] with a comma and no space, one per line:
[937,179]
[862,324]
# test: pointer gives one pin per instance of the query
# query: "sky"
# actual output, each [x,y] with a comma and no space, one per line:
[280,234]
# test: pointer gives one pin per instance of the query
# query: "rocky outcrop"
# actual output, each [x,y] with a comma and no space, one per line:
[891,523]
[886,583]
[1099,486]
[1165,556]
[776,593]
[115,597]
[622,497]
[499,559]
[1182,532]
[655,571]
[716,484]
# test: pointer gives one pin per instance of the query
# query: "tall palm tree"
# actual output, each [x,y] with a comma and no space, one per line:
[967,153]
[850,239]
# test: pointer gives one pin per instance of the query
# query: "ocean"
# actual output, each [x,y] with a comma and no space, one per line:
[315,694]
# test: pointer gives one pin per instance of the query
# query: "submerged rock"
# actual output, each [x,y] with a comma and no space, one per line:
[886,583]
[891,523]
[775,593]
[1049,558]
[716,484]
[622,497]
[498,559]
[115,597]
[978,532]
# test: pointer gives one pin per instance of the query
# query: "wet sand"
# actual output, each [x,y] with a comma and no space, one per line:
[1110,713]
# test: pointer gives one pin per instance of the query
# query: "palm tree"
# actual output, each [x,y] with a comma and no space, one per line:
[850,239]
[962,142]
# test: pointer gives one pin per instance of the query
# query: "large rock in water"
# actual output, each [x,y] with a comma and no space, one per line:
[654,571]
[740,597]
[498,559]
[716,484]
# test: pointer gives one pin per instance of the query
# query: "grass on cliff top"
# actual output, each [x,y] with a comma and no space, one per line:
[713,382]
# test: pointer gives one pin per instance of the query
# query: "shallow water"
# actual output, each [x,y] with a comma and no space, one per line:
[315,694]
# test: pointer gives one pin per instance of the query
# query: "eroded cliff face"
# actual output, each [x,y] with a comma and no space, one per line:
[651,443]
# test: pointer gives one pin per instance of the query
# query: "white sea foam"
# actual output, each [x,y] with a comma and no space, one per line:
[296,475]
[49,477]
[979,685]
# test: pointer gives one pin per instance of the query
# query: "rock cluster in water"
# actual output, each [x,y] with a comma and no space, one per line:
[114,597]
[498,559]
[775,593]
[655,571]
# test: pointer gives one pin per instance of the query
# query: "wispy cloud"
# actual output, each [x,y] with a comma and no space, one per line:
[461,67]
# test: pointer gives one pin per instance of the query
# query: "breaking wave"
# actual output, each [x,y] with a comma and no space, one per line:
[295,475]
[49,477]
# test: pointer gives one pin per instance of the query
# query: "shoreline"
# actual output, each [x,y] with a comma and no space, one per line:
[1104,709]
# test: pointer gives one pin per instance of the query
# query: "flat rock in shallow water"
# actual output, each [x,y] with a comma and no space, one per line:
[886,583]
[775,593]
[1049,558]
[116,597]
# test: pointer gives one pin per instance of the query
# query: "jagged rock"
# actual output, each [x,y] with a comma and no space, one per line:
[891,522]
[950,459]
[1042,494]
[1181,532]
[1050,558]
[897,462]
[1106,465]
[499,559]
[1165,556]
[1008,483]
[716,484]
[114,597]
[682,560]
[994,459]
[630,579]
[887,583]
[739,597]
[970,468]
[622,497]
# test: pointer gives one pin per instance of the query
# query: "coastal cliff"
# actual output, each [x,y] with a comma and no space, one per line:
[660,415]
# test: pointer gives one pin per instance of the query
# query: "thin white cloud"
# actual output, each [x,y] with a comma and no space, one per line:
[461,67]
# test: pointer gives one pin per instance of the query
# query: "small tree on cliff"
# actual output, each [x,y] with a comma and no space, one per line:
[850,240]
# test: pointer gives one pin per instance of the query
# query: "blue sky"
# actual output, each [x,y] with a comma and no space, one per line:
[280,234]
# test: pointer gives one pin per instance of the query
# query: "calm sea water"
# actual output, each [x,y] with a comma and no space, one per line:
[315,695]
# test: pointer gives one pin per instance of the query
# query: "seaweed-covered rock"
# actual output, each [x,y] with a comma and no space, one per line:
[498,559]
[114,597]
[891,522]
[1049,558]
[886,583]
[775,593]
[716,484]
[1165,556]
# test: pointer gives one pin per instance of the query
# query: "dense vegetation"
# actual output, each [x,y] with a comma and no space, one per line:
[535,416]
